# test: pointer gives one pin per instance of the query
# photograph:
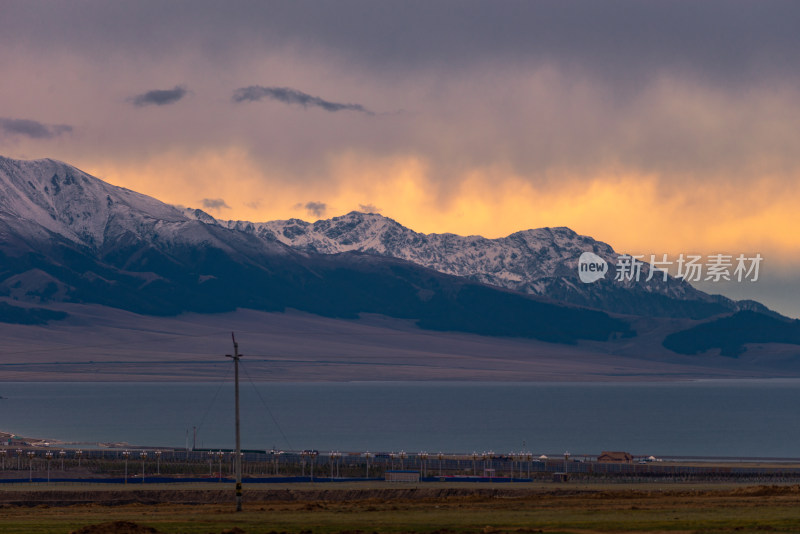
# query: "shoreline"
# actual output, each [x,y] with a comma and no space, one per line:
[114,416]
[44,444]
[5,437]
[48,444]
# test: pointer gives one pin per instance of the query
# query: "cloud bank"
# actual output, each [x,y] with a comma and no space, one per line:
[32,129]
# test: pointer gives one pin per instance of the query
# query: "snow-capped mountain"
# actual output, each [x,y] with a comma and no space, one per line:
[524,261]
[49,195]
[541,262]
[50,198]
[67,236]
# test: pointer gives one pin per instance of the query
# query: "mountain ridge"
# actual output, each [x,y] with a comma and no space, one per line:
[541,262]
[131,231]
[67,237]
[71,237]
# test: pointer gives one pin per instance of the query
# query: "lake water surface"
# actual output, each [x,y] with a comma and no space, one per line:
[744,418]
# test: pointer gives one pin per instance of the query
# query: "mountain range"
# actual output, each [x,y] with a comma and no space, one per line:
[66,236]
[542,262]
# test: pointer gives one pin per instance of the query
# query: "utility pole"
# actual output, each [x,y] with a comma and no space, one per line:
[238,459]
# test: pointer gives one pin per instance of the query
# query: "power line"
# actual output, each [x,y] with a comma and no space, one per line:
[214,399]
[114,344]
[175,337]
[264,404]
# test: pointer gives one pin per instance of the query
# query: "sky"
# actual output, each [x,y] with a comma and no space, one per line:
[661,127]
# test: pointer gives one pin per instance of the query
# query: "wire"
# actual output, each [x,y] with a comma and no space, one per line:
[115,344]
[264,404]
[214,398]
[211,334]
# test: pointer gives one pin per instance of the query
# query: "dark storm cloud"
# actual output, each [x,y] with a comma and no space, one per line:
[32,129]
[317,209]
[625,39]
[215,203]
[287,95]
[159,97]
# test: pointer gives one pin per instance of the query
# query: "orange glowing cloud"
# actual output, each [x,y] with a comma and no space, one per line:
[632,212]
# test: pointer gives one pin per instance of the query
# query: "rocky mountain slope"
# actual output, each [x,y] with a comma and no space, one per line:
[541,262]
[67,236]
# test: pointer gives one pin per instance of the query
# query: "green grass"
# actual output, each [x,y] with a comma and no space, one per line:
[566,509]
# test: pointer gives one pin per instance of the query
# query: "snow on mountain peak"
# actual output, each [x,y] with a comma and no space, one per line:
[541,261]
[49,202]
[49,194]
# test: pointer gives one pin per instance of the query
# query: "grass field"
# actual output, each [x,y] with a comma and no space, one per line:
[383,508]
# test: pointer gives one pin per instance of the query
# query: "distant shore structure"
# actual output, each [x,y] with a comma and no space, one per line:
[615,457]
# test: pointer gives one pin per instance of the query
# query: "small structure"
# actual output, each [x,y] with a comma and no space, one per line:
[15,441]
[615,457]
[560,477]
[402,476]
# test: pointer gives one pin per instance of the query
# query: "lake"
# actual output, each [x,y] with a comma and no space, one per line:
[742,418]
